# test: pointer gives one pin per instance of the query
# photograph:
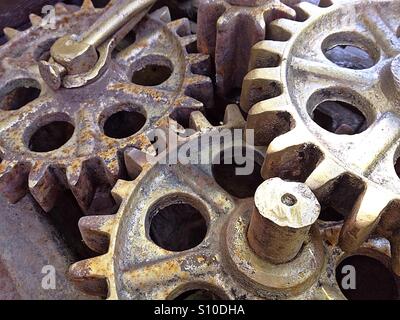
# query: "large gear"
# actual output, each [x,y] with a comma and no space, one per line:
[74,138]
[141,261]
[352,168]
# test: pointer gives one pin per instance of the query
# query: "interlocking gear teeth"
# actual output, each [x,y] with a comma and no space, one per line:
[305,152]
[220,23]
[100,233]
[150,272]
[96,161]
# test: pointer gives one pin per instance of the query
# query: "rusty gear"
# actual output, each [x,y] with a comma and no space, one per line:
[69,138]
[136,264]
[227,29]
[352,167]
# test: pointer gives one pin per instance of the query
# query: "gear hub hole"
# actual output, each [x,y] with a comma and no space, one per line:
[152,71]
[123,124]
[226,175]
[18,94]
[177,227]
[362,277]
[51,136]
[340,118]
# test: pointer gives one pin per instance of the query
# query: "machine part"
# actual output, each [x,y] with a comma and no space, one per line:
[74,139]
[77,60]
[352,168]
[167,204]
[28,244]
[227,29]
[281,220]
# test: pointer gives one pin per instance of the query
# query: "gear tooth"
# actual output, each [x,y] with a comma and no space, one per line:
[136,160]
[122,190]
[110,165]
[199,63]
[260,84]
[269,119]
[365,216]
[266,54]
[80,184]
[87,5]
[13,180]
[200,88]
[163,14]
[233,118]
[189,40]
[10,33]
[188,103]
[91,275]
[327,170]
[307,9]
[96,231]
[35,20]
[289,139]
[199,122]
[44,186]
[276,104]
[181,27]
[283,29]
[61,8]
[291,157]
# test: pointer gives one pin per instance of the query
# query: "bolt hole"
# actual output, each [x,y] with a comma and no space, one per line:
[177,227]
[289,199]
[198,294]
[340,118]
[18,94]
[152,71]
[236,184]
[373,280]
[51,136]
[123,124]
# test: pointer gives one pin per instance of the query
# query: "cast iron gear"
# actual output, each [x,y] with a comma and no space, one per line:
[352,168]
[138,262]
[74,138]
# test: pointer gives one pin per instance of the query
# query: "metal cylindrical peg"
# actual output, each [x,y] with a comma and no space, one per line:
[282,217]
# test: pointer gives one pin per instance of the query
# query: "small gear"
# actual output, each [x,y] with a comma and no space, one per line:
[343,55]
[227,29]
[75,138]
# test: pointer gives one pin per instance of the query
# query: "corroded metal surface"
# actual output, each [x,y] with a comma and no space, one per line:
[135,266]
[228,29]
[29,242]
[78,153]
[354,173]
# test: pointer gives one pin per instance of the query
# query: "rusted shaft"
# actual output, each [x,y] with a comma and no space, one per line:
[281,219]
